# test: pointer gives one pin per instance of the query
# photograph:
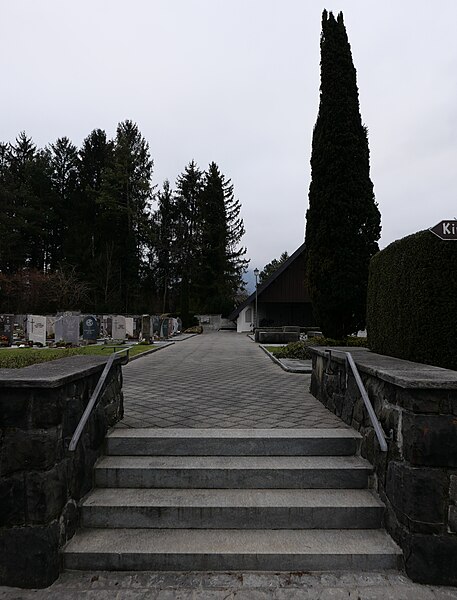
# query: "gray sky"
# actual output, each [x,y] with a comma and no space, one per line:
[237,82]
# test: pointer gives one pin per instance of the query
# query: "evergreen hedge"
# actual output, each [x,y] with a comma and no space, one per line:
[412,300]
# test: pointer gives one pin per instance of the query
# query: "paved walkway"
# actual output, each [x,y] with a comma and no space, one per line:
[218,380]
[104,585]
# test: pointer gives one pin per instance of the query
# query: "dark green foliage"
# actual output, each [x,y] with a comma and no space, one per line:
[299,350]
[302,350]
[77,230]
[161,255]
[412,300]
[221,263]
[125,200]
[90,234]
[343,221]
[272,266]
[187,233]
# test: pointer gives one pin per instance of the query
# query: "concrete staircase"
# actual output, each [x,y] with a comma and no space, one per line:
[224,499]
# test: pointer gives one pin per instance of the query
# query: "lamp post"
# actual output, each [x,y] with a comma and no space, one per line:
[256,274]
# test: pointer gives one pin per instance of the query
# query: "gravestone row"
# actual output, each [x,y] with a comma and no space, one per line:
[69,328]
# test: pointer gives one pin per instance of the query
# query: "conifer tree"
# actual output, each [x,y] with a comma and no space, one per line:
[272,266]
[25,204]
[343,221]
[187,235]
[63,159]
[163,244]
[221,264]
[91,225]
[126,197]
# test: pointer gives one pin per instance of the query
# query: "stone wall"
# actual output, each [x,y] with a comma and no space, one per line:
[417,478]
[40,481]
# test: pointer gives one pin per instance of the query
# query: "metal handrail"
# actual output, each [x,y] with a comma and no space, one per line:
[374,419]
[93,399]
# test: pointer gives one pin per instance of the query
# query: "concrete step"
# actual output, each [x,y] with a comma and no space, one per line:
[232,442]
[232,472]
[223,550]
[232,509]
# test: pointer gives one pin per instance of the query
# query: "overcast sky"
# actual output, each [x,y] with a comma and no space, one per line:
[237,82]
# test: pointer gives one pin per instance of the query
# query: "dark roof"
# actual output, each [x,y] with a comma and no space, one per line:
[263,286]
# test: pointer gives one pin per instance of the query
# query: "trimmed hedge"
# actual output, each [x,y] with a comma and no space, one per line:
[412,300]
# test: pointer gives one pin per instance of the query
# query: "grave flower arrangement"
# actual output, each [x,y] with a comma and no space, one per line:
[4,341]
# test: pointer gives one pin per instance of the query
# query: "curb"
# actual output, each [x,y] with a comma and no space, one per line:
[301,370]
[165,345]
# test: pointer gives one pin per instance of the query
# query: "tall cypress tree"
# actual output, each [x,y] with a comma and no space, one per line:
[343,221]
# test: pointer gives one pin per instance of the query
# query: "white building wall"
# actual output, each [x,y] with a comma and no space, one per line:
[245,320]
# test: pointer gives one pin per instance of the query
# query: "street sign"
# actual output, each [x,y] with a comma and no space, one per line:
[446,230]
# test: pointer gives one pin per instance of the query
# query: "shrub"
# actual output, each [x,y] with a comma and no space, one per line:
[294,350]
[302,351]
[195,329]
[412,300]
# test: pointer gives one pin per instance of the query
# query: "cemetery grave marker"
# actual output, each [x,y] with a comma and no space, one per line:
[146,327]
[67,329]
[129,326]
[36,329]
[91,329]
[6,330]
[118,332]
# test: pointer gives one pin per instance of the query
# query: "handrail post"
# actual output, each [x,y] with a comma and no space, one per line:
[93,399]
[363,392]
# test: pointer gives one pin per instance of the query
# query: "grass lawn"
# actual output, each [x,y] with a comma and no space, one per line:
[23,357]
[273,349]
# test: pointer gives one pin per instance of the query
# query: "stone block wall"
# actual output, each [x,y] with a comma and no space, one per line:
[417,478]
[40,481]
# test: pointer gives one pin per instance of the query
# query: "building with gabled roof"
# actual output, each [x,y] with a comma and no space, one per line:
[282,299]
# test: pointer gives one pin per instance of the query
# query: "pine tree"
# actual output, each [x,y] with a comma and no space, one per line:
[272,266]
[63,158]
[343,221]
[126,198]
[163,245]
[92,235]
[221,263]
[187,235]
[25,203]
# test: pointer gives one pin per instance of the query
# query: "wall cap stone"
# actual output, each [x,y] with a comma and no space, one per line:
[403,373]
[54,373]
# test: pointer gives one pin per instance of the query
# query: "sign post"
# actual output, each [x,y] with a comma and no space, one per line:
[446,230]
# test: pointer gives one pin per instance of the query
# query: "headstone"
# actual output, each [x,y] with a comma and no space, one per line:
[136,327]
[50,322]
[107,325]
[118,332]
[91,329]
[129,326]
[146,327]
[174,326]
[36,329]
[67,329]
[164,332]
[6,329]
[156,321]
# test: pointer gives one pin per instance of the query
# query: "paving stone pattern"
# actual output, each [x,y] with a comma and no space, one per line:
[105,585]
[217,380]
